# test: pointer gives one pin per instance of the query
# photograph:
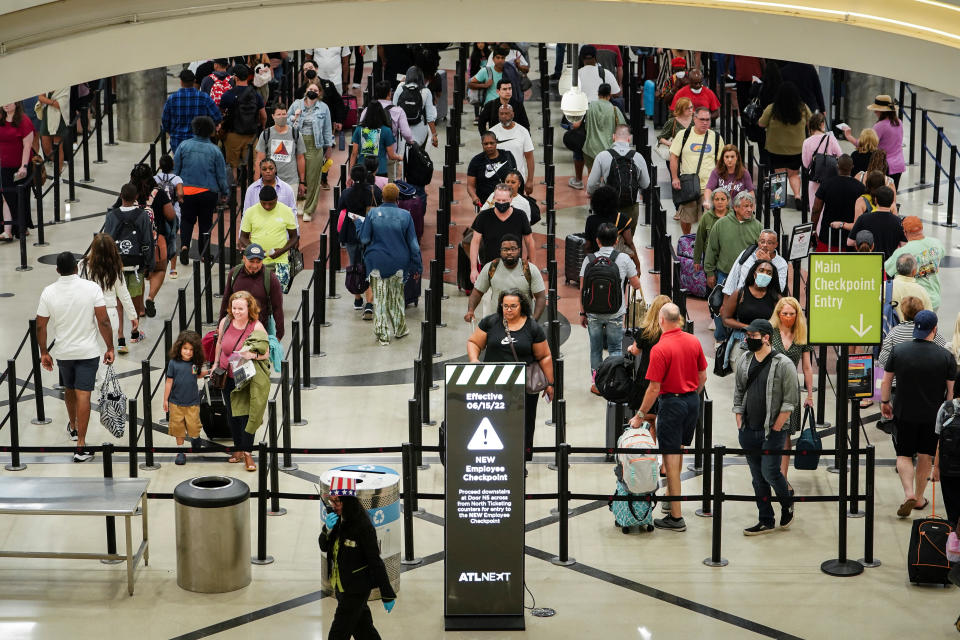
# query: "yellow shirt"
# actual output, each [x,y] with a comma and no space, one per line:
[269,228]
[691,153]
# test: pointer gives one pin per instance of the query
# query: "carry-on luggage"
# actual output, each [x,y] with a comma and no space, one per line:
[613,430]
[463,270]
[214,417]
[927,561]
[414,204]
[352,112]
[695,282]
[575,249]
[629,513]
[411,291]
[639,469]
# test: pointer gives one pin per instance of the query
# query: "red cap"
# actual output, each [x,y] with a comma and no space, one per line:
[678,63]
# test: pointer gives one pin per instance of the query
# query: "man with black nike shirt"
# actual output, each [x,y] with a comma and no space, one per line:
[488,169]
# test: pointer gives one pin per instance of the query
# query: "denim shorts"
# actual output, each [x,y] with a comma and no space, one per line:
[79,374]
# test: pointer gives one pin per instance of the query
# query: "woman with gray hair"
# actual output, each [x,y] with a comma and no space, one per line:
[422,113]
[721,205]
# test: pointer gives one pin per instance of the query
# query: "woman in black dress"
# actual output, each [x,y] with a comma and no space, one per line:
[513,321]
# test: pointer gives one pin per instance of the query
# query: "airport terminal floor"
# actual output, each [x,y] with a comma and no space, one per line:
[639,585]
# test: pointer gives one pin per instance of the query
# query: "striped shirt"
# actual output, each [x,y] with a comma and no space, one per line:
[901,333]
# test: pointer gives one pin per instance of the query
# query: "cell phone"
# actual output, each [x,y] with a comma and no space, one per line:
[842,125]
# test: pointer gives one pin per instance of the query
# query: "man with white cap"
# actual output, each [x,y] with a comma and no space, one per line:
[354,566]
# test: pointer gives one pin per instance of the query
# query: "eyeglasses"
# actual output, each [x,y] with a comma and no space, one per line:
[511,306]
[333,500]
[702,119]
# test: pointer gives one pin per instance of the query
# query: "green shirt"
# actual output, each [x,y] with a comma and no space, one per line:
[707,222]
[928,252]
[601,119]
[728,238]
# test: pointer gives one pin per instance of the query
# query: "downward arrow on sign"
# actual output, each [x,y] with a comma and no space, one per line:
[861,331]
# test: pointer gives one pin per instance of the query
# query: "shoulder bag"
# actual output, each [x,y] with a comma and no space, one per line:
[218,377]
[808,445]
[536,378]
[689,182]
[113,404]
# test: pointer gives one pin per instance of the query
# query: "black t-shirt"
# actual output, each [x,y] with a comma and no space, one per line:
[489,173]
[498,348]
[860,161]
[750,307]
[755,403]
[493,229]
[399,59]
[164,227]
[886,228]
[922,369]
[357,198]
[839,195]
[594,220]
[229,100]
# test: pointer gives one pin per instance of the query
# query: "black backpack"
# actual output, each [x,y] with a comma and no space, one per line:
[624,177]
[411,101]
[130,242]
[267,271]
[616,379]
[244,117]
[417,166]
[602,288]
[950,441]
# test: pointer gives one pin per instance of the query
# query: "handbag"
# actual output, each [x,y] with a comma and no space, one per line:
[574,139]
[536,378]
[822,165]
[808,445]
[295,259]
[689,182]
[751,113]
[218,377]
[719,356]
[715,301]
[113,404]
[356,280]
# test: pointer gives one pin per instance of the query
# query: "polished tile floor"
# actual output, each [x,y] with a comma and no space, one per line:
[642,586]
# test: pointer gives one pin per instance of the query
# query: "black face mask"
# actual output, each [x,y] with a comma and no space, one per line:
[313,95]
[754,344]
[310,73]
[502,207]
[510,262]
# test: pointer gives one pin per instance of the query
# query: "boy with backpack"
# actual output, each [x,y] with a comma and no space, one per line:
[172,185]
[602,303]
[244,114]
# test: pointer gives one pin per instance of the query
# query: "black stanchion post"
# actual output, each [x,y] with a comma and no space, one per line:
[85,148]
[182,308]
[854,511]
[333,263]
[197,299]
[822,385]
[913,128]
[37,191]
[306,381]
[132,437]
[697,466]
[563,506]
[285,421]
[715,559]
[98,118]
[37,379]
[923,148]
[414,427]
[298,420]
[56,183]
[108,473]
[263,493]
[148,462]
[221,251]
[22,225]
[868,560]
[275,508]
[937,169]
[557,392]
[14,417]
[207,280]
[320,288]
[409,494]
[952,187]
[707,446]
[305,309]
[108,103]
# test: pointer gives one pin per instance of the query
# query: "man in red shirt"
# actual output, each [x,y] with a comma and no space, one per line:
[677,373]
[700,95]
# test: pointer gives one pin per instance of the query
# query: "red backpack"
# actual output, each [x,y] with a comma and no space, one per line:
[219,87]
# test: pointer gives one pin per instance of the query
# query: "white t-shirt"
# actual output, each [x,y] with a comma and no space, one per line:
[69,303]
[517,141]
[590,81]
[514,56]
[518,202]
[627,270]
[328,64]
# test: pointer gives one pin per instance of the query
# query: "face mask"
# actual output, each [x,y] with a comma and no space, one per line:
[311,74]
[754,344]
[788,322]
[696,90]
[502,207]
[281,121]
[762,279]
[313,95]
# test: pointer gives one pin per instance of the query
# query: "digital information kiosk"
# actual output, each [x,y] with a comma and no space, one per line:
[484,508]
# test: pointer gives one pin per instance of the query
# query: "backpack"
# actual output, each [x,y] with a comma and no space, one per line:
[370,142]
[219,87]
[267,271]
[129,241]
[602,287]
[168,187]
[822,164]
[417,165]
[411,101]
[950,439]
[624,177]
[889,315]
[244,113]
[496,263]
[640,471]
[616,379]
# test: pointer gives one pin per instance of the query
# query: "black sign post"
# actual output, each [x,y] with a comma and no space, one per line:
[484,506]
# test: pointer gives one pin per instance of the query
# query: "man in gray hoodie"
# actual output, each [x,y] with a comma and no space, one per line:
[766,393]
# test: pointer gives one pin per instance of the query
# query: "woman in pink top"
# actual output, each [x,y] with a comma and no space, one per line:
[816,144]
[889,132]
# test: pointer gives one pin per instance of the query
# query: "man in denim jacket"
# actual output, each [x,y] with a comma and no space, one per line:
[766,392]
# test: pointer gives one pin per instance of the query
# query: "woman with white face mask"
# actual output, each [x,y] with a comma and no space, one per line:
[757,299]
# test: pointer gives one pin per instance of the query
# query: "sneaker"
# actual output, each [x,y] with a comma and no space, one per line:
[358,304]
[180,459]
[71,432]
[355,85]
[576,184]
[307,217]
[122,346]
[786,518]
[368,311]
[150,307]
[325,185]
[758,529]
[670,523]
[137,336]
[196,444]
[174,275]
[82,455]
[405,333]
[185,256]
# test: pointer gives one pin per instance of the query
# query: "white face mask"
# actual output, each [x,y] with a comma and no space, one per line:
[696,90]
[680,74]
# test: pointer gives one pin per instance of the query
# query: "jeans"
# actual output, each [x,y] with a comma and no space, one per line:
[765,471]
[720,331]
[558,63]
[609,332]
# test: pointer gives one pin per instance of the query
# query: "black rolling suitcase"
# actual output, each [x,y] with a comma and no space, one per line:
[927,561]
[214,417]
[463,270]
[575,249]
[411,291]
[613,429]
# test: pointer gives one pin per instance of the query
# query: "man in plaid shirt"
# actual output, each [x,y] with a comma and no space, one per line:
[185,105]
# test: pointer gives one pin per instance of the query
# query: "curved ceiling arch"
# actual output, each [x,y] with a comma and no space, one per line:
[67,41]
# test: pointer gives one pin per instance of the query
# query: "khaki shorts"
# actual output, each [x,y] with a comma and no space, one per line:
[134,280]
[690,212]
[234,147]
[184,421]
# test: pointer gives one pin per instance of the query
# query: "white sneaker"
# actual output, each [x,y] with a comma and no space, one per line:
[355,85]
[576,184]
[307,217]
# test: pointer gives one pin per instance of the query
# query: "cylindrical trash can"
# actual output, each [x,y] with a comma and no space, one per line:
[213,534]
[378,489]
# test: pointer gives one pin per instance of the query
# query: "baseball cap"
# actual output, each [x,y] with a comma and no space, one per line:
[760,325]
[864,237]
[588,51]
[912,224]
[254,252]
[924,323]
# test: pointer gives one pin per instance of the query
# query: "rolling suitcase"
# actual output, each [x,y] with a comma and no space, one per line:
[927,561]
[575,249]
[627,514]
[414,204]
[214,416]
[695,282]
[351,117]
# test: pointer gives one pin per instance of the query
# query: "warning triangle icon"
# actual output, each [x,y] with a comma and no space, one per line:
[485,438]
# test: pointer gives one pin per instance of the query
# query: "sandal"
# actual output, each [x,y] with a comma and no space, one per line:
[906,508]
[174,275]
[920,507]
[237,457]
[866,403]
[249,461]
